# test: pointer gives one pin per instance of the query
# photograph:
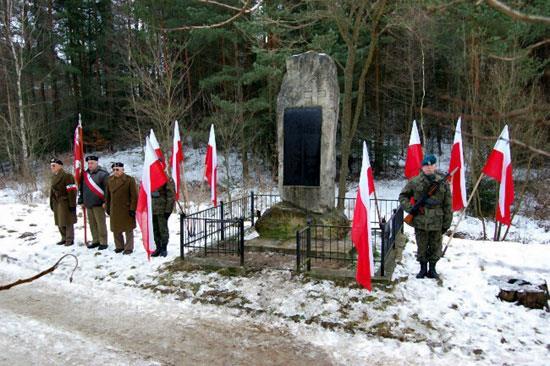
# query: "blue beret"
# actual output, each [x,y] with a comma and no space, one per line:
[429,160]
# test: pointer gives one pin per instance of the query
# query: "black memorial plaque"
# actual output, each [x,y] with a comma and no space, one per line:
[302,146]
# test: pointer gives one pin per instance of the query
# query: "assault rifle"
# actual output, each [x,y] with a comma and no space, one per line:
[418,208]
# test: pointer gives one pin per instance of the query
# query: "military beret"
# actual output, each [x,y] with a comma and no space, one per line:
[92,157]
[429,160]
[117,165]
[56,161]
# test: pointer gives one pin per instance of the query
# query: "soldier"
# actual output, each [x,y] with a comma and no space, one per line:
[436,218]
[92,198]
[163,205]
[120,203]
[63,201]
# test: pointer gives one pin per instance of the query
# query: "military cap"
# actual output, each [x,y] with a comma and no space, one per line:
[117,165]
[429,160]
[92,157]
[56,161]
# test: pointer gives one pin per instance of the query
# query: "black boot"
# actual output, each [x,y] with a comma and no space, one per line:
[423,270]
[61,242]
[432,273]
[156,252]
[164,250]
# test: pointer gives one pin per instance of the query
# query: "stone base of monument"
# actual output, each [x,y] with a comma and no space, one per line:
[282,221]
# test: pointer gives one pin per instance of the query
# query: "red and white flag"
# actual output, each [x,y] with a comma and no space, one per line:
[156,147]
[360,229]
[152,178]
[211,166]
[176,159]
[458,180]
[78,152]
[499,167]
[413,162]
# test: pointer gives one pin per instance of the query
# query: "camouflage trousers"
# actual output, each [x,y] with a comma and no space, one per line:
[160,230]
[429,245]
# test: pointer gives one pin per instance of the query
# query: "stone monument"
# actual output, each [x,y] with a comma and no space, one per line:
[307,119]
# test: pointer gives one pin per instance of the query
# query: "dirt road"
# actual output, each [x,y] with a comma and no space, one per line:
[51,322]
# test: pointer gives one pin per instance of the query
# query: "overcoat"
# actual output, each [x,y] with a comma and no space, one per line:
[121,198]
[63,193]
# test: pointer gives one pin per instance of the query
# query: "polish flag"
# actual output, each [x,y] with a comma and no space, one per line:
[156,147]
[78,152]
[211,166]
[458,180]
[176,160]
[360,230]
[413,162]
[499,167]
[152,178]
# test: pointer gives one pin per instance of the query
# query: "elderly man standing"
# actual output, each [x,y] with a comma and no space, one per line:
[120,203]
[435,218]
[92,197]
[63,201]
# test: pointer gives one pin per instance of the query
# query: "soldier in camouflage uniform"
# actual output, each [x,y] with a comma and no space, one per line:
[163,201]
[63,201]
[434,221]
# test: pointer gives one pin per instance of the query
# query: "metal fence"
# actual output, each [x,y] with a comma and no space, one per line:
[319,243]
[385,206]
[212,236]
[220,230]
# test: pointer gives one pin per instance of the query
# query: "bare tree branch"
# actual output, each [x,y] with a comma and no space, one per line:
[244,10]
[43,273]
[512,13]
[525,52]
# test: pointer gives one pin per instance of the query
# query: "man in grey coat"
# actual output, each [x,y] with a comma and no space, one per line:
[92,197]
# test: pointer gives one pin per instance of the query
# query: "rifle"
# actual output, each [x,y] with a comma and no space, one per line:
[418,208]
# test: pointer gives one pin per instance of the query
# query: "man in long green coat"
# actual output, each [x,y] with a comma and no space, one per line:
[63,193]
[436,218]
[120,203]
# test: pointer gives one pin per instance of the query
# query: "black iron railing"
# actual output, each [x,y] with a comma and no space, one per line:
[333,243]
[212,236]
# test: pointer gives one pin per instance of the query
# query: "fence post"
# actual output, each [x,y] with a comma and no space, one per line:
[181,234]
[252,207]
[308,247]
[383,249]
[298,251]
[241,239]
[222,234]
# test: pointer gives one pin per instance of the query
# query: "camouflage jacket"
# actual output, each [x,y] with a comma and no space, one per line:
[164,198]
[437,212]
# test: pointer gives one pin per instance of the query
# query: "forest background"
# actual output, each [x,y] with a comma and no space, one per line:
[130,65]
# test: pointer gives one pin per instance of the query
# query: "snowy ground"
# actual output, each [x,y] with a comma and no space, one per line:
[124,310]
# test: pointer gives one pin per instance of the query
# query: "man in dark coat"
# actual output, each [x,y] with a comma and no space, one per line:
[92,198]
[120,203]
[63,201]
[436,218]
[163,201]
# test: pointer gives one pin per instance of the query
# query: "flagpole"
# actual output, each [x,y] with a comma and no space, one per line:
[377,210]
[463,213]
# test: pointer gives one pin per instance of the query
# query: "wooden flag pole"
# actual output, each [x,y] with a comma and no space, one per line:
[463,213]
[377,209]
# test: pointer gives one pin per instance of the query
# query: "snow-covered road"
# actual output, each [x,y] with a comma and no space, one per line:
[43,323]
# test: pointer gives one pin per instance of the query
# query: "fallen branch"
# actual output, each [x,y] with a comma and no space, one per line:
[43,273]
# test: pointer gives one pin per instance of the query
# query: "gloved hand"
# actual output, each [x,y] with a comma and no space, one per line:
[167,215]
[444,230]
[132,213]
[72,209]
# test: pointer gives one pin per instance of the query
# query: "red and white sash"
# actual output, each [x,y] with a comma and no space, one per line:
[93,186]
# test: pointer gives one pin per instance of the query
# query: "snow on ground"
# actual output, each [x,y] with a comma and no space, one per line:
[409,322]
